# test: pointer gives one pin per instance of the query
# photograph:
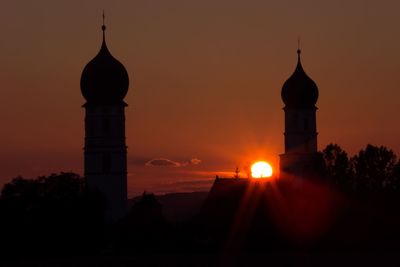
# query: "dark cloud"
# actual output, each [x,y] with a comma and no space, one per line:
[163,162]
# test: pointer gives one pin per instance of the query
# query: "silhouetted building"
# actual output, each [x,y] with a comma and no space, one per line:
[300,94]
[237,214]
[104,84]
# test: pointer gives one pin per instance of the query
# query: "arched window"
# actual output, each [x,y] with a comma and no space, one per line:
[306,124]
[296,120]
[106,163]
[106,125]
[307,145]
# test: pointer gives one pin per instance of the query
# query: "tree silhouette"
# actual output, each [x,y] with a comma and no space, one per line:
[52,214]
[145,227]
[337,165]
[374,168]
[396,176]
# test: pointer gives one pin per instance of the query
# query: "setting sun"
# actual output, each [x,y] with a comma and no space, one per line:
[261,169]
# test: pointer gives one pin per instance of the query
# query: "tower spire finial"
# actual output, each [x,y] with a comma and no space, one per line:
[103,27]
[298,46]
[298,49]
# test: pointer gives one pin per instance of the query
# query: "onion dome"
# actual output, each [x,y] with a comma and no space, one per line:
[104,79]
[299,91]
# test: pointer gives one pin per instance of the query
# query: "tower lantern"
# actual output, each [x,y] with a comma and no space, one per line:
[104,84]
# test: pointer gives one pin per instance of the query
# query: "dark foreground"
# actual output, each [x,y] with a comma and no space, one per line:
[228,259]
[238,223]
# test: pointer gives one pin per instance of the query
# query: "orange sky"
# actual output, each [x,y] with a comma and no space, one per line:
[205,81]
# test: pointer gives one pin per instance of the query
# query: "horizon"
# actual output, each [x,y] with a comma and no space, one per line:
[205,83]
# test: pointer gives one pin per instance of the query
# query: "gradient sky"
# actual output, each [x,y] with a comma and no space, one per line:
[205,81]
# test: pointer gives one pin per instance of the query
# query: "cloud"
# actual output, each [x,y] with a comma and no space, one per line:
[163,162]
[195,161]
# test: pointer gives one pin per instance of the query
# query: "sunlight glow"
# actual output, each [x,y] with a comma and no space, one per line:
[261,169]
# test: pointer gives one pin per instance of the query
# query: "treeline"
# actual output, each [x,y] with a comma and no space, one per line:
[59,215]
[374,168]
[50,215]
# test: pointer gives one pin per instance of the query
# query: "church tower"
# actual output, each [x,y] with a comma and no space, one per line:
[104,84]
[300,94]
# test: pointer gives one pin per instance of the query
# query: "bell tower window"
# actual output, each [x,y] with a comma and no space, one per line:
[106,125]
[106,163]
[306,124]
[307,145]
